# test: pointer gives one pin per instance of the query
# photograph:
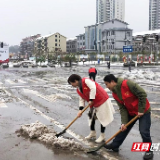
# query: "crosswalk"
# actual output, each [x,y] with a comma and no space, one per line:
[26,81]
[63,90]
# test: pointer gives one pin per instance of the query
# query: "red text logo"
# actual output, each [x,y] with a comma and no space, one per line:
[140,147]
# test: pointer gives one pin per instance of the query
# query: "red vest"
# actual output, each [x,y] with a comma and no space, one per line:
[92,70]
[129,100]
[101,94]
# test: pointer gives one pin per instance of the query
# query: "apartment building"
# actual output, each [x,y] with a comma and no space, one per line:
[72,45]
[51,43]
[154,14]
[108,37]
[147,41]
[81,43]
[110,9]
[27,45]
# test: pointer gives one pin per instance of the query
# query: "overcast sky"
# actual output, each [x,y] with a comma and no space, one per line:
[22,18]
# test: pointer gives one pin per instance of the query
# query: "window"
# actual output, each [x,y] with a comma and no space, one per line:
[55,35]
[55,44]
[55,40]
[128,33]
[59,44]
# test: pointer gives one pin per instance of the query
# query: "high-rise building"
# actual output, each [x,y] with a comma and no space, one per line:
[109,9]
[154,14]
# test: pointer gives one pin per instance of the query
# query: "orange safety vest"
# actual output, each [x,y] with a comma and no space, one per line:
[101,94]
[129,100]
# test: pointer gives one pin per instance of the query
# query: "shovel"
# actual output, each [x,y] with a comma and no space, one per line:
[99,147]
[58,134]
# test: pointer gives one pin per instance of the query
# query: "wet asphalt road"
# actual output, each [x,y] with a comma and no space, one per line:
[30,94]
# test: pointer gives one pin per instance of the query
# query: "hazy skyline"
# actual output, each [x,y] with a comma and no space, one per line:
[22,18]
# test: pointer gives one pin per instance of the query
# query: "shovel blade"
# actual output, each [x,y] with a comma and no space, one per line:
[92,150]
[59,134]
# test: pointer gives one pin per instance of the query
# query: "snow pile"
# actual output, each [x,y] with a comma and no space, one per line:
[140,74]
[34,130]
[46,135]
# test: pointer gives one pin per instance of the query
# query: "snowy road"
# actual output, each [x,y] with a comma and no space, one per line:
[28,94]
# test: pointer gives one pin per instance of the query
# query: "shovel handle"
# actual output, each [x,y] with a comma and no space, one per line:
[77,117]
[102,145]
[131,121]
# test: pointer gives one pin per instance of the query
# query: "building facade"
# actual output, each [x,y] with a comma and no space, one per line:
[50,44]
[108,37]
[81,43]
[72,45]
[27,46]
[91,37]
[147,42]
[110,9]
[154,14]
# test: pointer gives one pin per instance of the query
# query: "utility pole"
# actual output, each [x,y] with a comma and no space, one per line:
[157,49]
[151,44]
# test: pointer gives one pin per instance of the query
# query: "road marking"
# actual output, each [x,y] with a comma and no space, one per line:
[155,109]
[149,85]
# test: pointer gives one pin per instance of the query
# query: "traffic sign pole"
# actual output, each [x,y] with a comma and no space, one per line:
[128,49]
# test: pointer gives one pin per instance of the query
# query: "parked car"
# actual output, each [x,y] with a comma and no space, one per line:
[5,65]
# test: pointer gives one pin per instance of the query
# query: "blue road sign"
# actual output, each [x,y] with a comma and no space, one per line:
[127,49]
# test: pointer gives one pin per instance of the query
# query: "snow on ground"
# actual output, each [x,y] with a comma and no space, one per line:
[47,136]
[78,63]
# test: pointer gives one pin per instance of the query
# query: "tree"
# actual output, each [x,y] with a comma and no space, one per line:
[14,49]
[41,59]
[69,58]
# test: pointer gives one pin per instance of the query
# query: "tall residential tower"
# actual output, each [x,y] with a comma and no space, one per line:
[110,9]
[154,14]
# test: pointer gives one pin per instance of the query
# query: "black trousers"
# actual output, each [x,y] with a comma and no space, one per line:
[93,126]
[92,75]
[144,129]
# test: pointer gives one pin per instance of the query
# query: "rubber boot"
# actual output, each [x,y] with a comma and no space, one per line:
[91,135]
[148,155]
[101,138]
